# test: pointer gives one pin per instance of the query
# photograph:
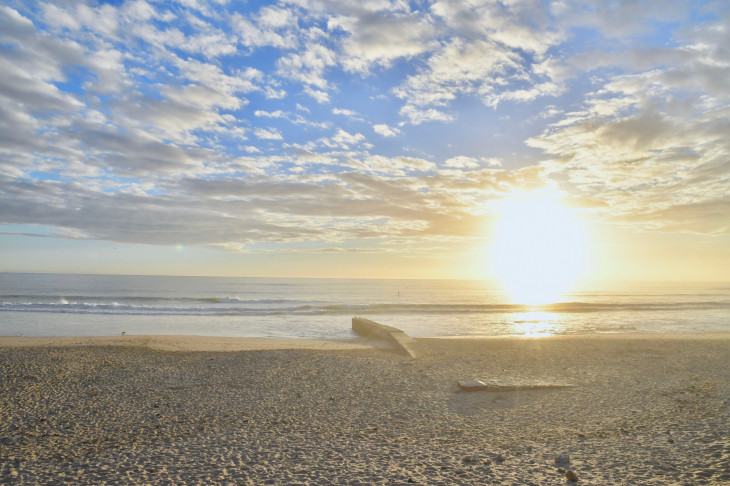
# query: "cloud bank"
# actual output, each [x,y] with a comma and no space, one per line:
[230,124]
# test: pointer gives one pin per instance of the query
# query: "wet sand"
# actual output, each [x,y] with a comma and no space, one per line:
[640,409]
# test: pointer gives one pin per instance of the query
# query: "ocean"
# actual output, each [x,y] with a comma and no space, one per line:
[107,305]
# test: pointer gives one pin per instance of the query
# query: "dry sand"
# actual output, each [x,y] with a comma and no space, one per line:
[641,410]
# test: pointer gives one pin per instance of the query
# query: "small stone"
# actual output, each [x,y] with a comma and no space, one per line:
[571,476]
[473,458]
[671,441]
[499,458]
[562,460]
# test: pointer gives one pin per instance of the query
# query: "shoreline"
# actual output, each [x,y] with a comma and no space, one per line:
[184,342]
[176,342]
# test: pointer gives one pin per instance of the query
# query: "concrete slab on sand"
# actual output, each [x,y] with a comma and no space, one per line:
[368,328]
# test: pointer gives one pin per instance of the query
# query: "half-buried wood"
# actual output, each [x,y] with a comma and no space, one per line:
[492,386]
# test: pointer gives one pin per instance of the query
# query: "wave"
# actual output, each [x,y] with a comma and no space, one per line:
[139,298]
[269,307]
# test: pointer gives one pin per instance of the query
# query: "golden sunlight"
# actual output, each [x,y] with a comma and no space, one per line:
[538,249]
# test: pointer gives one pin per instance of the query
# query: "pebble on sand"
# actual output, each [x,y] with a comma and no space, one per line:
[571,476]
[472,458]
[562,460]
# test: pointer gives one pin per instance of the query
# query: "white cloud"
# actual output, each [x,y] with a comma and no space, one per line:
[139,10]
[202,97]
[212,76]
[459,68]
[385,130]
[274,93]
[156,94]
[462,162]
[261,32]
[319,96]
[344,139]
[393,166]
[270,114]
[60,18]
[270,134]
[382,38]
[417,115]
[522,25]
[212,44]
[345,112]
[251,149]
[308,67]
[651,147]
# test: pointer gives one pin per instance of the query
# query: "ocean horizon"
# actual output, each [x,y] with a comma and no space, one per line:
[35,304]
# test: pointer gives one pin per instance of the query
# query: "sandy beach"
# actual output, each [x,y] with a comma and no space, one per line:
[614,409]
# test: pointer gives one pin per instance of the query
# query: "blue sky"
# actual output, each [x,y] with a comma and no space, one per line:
[359,138]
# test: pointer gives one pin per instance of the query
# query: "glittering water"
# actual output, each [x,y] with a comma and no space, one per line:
[98,305]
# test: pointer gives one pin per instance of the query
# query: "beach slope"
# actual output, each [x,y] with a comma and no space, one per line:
[615,409]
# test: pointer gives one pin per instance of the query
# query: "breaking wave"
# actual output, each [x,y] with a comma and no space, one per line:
[222,306]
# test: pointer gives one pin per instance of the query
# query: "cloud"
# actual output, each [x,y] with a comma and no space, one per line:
[343,139]
[129,123]
[621,19]
[459,68]
[462,162]
[202,97]
[345,112]
[270,114]
[520,25]
[493,52]
[308,67]
[649,156]
[269,27]
[385,130]
[270,134]
[381,37]
[210,75]
[213,44]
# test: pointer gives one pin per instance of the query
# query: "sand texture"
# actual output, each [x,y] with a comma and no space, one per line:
[638,410]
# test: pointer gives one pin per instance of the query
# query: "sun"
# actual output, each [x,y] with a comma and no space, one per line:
[538,249]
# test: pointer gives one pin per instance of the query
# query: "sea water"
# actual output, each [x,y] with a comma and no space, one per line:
[105,305]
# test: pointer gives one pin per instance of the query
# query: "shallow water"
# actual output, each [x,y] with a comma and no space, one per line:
[100,305]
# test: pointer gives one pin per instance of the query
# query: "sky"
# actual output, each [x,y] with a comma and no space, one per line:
[364,138]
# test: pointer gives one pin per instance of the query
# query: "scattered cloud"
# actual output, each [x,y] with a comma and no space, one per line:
[385,130]
[344,112]
[222,123]
[271,134]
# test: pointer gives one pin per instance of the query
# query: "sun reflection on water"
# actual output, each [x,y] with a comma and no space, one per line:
[535,324]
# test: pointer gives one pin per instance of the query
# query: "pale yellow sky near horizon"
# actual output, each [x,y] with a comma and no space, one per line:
[613,254]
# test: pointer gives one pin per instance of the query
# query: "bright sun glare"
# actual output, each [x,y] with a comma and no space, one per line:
[538,248]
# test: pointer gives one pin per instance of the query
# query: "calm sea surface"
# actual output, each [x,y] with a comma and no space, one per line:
[103,305]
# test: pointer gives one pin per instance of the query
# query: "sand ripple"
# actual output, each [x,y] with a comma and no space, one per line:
[641,411]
